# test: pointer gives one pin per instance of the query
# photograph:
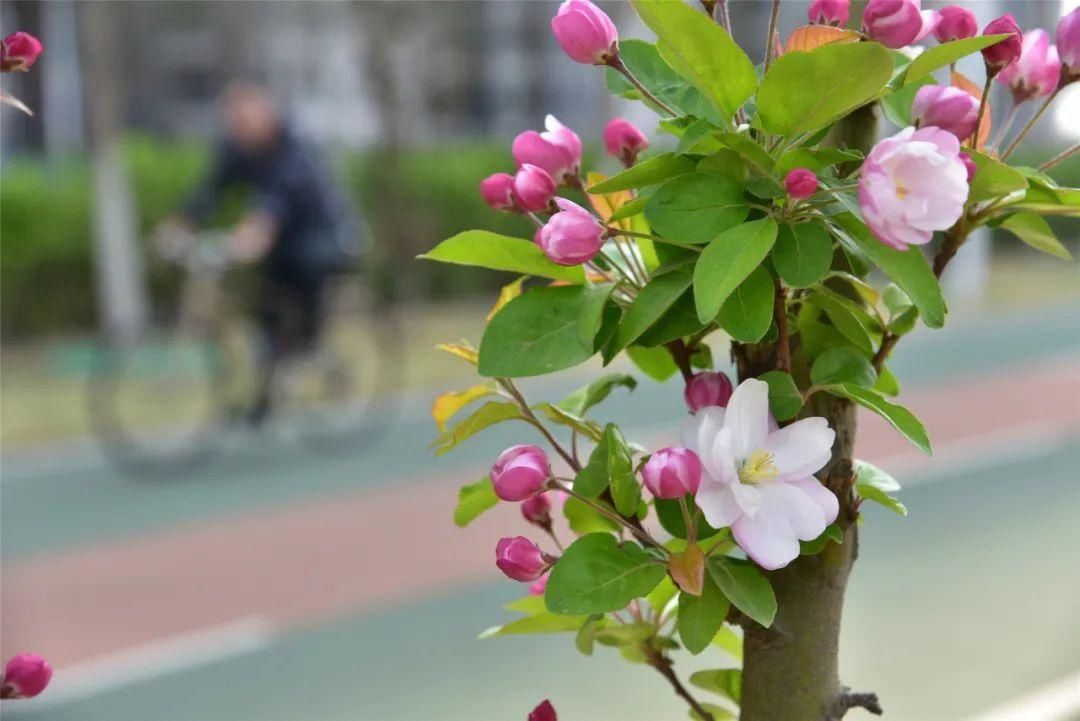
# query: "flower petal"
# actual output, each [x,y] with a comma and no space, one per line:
[717,502]
[747,417]
[820,495]
[802,448]
[767,538]
[699,433]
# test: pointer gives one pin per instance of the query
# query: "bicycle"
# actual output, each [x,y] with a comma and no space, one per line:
[161,400]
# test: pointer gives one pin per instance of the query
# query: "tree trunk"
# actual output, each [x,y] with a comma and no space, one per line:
[791,670]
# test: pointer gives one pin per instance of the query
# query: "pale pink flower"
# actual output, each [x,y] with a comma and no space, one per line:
[585,32]
[1036,72]
[912,184]
[557,150]
[896,23]
[624,140]
[1068,43]
[572,236]
[946,107]
[759,479]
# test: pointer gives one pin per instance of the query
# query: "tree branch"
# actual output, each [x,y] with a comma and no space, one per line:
[783,343]
[663,664]
[681,355]
[849,700]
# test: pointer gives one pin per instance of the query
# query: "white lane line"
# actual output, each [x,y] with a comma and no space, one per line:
[1058,701]
[154,659]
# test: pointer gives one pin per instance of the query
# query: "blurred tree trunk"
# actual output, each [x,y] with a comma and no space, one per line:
[118,265]
[791,670]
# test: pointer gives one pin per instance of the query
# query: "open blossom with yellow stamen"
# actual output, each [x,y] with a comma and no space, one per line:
[759,479]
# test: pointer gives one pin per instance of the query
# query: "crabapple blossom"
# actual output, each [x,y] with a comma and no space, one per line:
[1068,44]
[1036,72]
[829,12]
[572,236]
[672,473]
[520,472]
[25,675]
[801,183]
[557,150]
[946,107]
[537,510]
[624,140]
[544,712]
[1003,52]
[912,184]
[759,479]
[707,389]
[533,188]
[956,23]
[497,190]
[18,51]
[896,23]
[521,559]
[585,32]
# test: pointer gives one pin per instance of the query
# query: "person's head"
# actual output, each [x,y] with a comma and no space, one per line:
[251,117]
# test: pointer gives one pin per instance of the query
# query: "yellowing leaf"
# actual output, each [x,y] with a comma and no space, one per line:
[959,80]
[809,37]
[507,294]
[462,350]
[605,204]
[688,569]
[446,405]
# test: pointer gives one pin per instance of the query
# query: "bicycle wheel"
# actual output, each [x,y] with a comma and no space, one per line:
[157,402]
[345,393]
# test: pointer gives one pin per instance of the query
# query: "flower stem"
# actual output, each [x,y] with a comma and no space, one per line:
[1027,128]
[982,111]
[1005,125]
[771,39]
[617,63]
[640,533]
[650,236]
[1060,157]
[663,664]
[531,419]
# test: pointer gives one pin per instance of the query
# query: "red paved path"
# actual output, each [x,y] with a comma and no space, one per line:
[333,556]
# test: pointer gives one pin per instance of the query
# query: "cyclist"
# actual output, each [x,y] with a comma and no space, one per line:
[296,229]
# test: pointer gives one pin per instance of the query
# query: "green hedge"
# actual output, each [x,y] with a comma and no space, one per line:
[46,272]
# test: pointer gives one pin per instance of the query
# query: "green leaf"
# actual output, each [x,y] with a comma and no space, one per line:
[994,179]
[730,641]
[486,415]
[652,301]
[648,172]
[875,485]
[748,312]
[785,399]
[803,254]
[727,261]
[583,518]
[907,268]
[1036,232]
[596,574]
[594,299]
[540,623]
[697,132]
[500,252]
[660,596]
[529,605]
[749,150]
[700,617]
[702,52]
[629,210]
[595,392]
[804,91]
[696,208]
[726,682]
[534,334]
[586,637]
[678,321]
[653,362]
[843,365]
[589,429]
[897,104]
[939,56]
[644,62]
[832,532]
[887,382]
[898,417]
[610,462]
[746,588]
[670,515]
[718,713]
[473,500]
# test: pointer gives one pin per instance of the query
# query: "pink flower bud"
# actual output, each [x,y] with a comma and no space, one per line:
[801,183]
[830,12]
[520,472]
[19,51]
[956,23]
[571,237]
[893,23]
[498,191]
[533,188]
[1006,51]
[1068,44]
[537,510]
[539,586]
[707,389]
[25,676]
[1036,72]
[521,559]
[672,473]
[969,165]
[544,712]
[947,108]
[585,32]
[557,150]
[623,140]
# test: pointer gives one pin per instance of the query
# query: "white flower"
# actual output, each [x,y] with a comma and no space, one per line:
[759,479]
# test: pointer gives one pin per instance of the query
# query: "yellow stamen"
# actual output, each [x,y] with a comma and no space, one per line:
[760,466]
